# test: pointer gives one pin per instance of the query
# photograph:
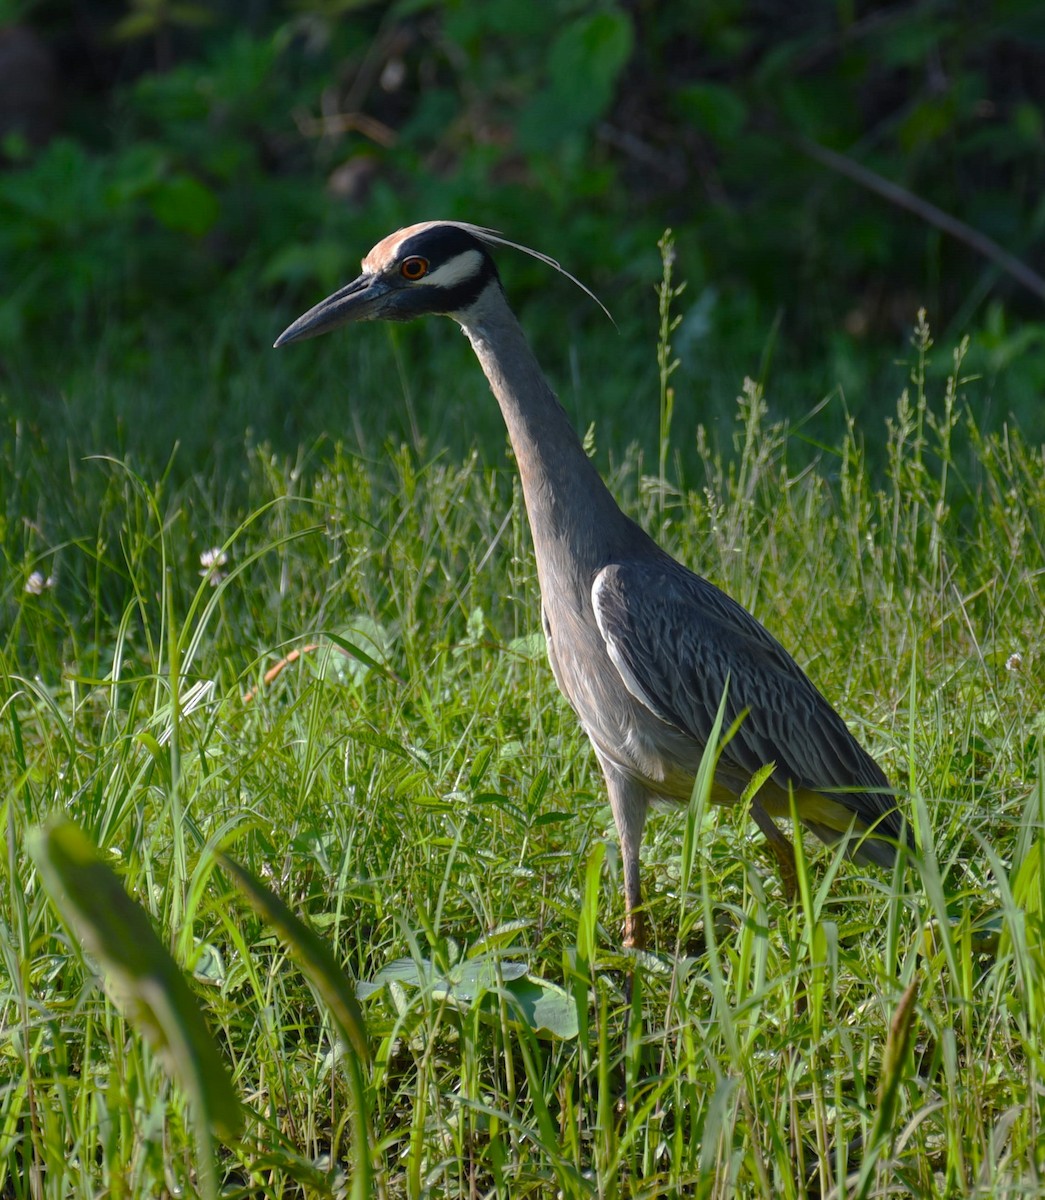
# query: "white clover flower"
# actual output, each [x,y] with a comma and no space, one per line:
[37,584]
[212,561]
[1014,662]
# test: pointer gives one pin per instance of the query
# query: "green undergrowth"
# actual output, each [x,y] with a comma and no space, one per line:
[413,785]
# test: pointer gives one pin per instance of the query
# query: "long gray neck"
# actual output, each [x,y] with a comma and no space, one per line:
[576,524]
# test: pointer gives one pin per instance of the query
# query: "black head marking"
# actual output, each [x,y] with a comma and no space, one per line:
[460,269]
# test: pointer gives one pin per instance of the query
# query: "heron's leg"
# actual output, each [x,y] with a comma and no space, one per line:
[629,802]
[781,848]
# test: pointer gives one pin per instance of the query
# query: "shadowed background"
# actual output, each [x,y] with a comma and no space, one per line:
[179,180]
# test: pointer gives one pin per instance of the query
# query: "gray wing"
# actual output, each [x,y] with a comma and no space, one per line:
[675,638]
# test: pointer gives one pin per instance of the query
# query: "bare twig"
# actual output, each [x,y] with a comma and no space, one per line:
[329,125]
[944,221]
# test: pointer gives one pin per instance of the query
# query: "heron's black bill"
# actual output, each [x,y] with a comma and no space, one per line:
[356,301]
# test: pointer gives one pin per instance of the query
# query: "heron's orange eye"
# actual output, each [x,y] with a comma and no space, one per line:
[414,268]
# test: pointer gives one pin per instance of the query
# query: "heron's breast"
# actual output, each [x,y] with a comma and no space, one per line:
[621,728]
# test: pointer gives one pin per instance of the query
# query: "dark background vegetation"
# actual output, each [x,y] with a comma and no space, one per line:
[179,180]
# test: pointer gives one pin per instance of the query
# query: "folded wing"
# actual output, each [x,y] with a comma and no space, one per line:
[676,639]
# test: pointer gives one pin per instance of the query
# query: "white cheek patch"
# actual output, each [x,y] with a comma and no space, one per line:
[459,269]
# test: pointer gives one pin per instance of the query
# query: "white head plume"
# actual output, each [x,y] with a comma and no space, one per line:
[493,238]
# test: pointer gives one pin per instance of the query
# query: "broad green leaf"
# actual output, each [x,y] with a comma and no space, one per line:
[716,109]
[320,263]
[530,645]
[464,982]
[185,205]
[585,60]
[584,63]
[501,936]
[541,1006]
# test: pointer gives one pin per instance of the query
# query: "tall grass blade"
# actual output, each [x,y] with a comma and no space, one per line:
[138,972]
[311,954]
[894,1064]
[335,991]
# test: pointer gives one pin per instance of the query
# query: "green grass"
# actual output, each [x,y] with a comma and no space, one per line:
[437,803]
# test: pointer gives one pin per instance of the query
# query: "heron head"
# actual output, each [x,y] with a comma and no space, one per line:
[436,267]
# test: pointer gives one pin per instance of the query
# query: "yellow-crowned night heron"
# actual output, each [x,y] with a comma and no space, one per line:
[641,647]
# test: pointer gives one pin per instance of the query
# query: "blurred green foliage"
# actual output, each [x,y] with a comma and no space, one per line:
[229,158]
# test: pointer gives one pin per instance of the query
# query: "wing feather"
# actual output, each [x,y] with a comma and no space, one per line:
[676,639]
